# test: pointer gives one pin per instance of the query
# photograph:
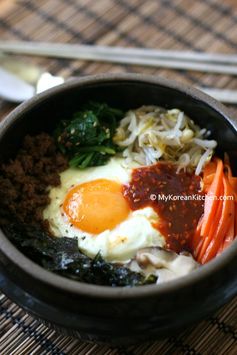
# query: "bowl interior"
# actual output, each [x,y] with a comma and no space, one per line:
[44,111]
[127,92]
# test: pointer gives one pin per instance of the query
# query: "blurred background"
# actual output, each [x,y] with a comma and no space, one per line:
[201,25]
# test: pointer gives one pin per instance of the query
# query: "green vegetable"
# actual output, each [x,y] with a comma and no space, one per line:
[87,138]
[62,256]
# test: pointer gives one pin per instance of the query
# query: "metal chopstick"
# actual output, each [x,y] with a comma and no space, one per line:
[223,95]
[61,48]
[212,63]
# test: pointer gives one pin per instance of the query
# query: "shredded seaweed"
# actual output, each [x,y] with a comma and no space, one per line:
[62,256]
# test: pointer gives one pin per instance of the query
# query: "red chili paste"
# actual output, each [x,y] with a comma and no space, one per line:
[180,213]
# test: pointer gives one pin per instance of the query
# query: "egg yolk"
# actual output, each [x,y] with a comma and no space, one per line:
[96,205]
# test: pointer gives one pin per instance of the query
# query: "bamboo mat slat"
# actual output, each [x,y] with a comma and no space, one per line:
[202,25]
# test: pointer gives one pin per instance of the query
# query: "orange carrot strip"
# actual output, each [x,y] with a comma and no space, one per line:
[210,202]
[235,221]
[209,168]
[231,231]
[235,213]
[223,225]
[220,250]
[208,179]
[198,248]
[208,175]
[212,231]
[207,182]
[218,226]
[197,239]
[233,183]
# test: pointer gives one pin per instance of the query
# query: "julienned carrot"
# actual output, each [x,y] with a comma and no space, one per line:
[207,182]
[219,221]
[210,168]
[211,202]
[231,230]
[233,183]
[208,175]
[235,221]
[224,224]
[208,238]
[197,239]
[232,179]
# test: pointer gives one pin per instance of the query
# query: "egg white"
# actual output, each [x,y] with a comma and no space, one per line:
[122,242]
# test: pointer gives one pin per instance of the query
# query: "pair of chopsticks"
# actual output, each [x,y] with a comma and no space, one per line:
[172,59]
[198,61]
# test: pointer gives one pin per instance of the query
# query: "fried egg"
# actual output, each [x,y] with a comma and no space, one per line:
[89,205]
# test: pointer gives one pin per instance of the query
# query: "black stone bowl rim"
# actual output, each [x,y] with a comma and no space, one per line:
[107,292]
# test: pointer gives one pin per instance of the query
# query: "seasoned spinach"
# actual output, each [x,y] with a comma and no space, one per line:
[87,138]
[62,256]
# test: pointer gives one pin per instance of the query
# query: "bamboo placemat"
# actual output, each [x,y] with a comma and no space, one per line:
[206,25]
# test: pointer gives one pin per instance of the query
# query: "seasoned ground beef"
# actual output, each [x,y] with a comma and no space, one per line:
[25,181]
